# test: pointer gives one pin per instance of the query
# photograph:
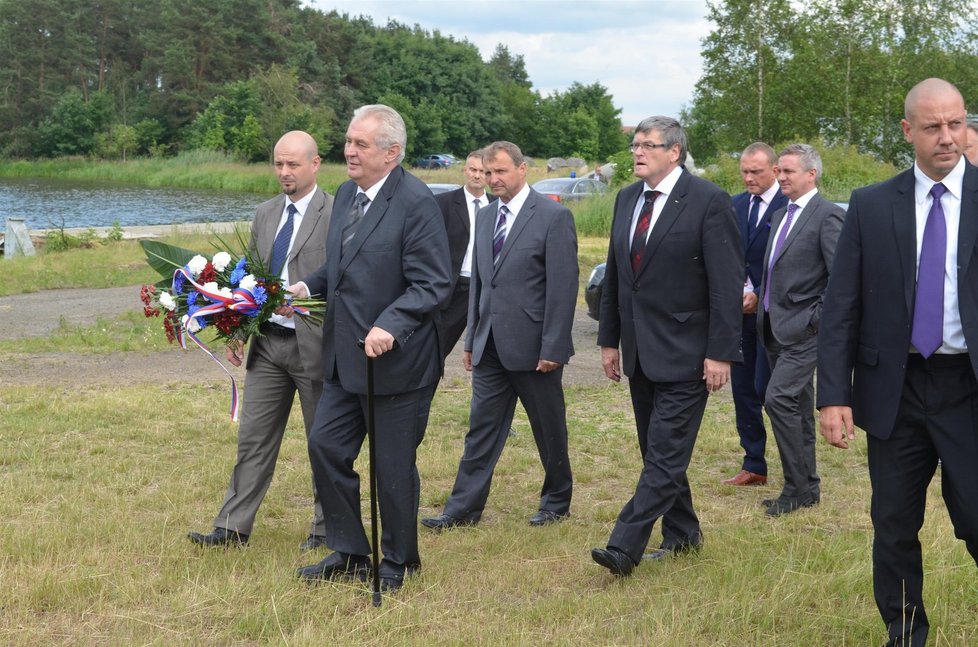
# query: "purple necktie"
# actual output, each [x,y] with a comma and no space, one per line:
[928,312]
[792,208]
[499,236]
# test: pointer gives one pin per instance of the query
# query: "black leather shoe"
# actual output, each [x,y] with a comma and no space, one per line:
[547,517]
[220,537]
[446,521]
[312,542]
[672,551]
[337,566]
[614,560]
[786,504]
[391,584]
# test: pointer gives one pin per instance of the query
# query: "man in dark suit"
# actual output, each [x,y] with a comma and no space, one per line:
[748,381]
[673,294]
[898,352]
[521,309]
[459,207]
[796,270]
[287,358]
[386,271]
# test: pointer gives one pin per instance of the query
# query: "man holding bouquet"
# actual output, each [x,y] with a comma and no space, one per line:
[288,234]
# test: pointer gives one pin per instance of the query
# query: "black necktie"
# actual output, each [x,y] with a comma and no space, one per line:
[356,213]
[755,209]
[280,248]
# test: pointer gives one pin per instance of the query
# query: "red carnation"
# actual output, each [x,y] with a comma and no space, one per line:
[208,274]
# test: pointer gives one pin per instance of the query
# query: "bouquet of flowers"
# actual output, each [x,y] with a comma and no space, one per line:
[234,298]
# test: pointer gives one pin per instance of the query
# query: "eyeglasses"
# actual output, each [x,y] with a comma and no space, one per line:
[648,147]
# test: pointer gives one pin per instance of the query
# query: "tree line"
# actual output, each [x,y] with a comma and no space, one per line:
[117,78]
[835,71]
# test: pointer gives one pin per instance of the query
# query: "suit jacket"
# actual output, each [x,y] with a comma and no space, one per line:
[685,303]
[527,298]
[393,275]
[308,252]
[868,311]
[455,209]
[801,270]
[755,244]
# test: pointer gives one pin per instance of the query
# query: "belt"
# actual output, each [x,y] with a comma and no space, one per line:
[462,280]
[935,361]
[275,330]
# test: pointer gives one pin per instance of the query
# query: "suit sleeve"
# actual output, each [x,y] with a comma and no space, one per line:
[561,292]
[723,259]
[609,316]
[841,315]
[425,266]
[828,239]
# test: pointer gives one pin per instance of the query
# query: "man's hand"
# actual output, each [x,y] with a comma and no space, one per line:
[715,374]
[378,342]
[611,363]
[298,291]
[545,366]
[750,303]
[234,351]
[467,360]
[835,423]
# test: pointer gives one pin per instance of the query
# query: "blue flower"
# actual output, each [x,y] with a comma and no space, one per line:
[200,320]
[238,272]
[178,280]
[191,300]
[260,295]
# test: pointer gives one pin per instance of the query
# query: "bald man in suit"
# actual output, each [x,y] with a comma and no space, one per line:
[898,351]
[287,358]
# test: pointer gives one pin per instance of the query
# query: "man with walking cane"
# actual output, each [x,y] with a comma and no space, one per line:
[386,271]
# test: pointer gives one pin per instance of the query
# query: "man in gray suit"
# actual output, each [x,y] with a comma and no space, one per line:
[386,272]
[796,271]
[287,358]
[521,307]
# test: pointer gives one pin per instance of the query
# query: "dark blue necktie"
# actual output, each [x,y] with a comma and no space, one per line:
[356,214]
[755,208]
[927,333]
[280,249]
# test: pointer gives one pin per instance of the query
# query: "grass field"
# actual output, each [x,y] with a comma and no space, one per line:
[100,484]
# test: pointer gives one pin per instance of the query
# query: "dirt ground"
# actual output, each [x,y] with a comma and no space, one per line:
[38,314]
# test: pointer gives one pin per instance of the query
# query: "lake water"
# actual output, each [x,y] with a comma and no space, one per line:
[52,204]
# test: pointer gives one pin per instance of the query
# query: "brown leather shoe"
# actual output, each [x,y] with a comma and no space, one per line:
[744,477]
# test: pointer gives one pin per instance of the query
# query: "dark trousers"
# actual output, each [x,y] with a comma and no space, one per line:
[494,394]
[790,404]
[667,418]
[334,444]
[937,420]
[748,382]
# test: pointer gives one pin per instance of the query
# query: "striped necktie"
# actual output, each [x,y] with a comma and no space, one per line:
[499,236]
[283,240]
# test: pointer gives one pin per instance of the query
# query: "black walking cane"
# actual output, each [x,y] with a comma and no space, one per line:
[372,459]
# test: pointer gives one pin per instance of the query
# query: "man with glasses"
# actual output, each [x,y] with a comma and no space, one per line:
[672,301]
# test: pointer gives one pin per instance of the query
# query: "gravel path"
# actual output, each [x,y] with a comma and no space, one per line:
[40,313]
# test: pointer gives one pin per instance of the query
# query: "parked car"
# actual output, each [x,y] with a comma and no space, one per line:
[441,160]
[567,189]
[595,283]
[437,188]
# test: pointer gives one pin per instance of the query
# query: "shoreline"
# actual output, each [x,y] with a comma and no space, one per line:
[144,231]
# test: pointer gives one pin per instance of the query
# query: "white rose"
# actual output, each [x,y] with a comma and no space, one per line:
[166,300]
[196,265]
[248,282]
[221,260]
[192,325]
[210,286]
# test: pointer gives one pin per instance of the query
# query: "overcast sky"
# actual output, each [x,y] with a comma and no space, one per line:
[646,52]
